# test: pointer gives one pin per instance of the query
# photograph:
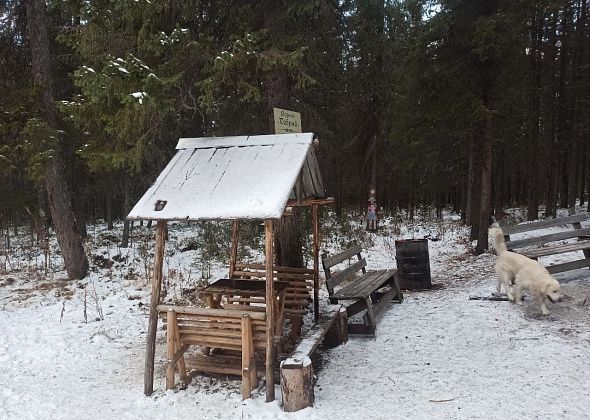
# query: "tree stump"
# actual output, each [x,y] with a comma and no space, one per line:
[297,383]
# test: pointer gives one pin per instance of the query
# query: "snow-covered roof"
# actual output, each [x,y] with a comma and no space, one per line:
[244,177]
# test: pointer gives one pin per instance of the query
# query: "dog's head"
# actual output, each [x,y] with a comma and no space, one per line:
[551,290]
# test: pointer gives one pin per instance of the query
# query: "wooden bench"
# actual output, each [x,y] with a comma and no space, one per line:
[298,296]
[363,290]
[242,332]
[540,242]
[297,371]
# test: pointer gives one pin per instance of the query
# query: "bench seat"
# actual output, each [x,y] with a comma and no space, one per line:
[371,281]
[355,284]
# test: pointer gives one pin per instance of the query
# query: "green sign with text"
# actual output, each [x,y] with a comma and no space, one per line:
[287,121]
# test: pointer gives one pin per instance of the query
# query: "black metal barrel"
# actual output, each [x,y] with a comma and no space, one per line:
[413,264]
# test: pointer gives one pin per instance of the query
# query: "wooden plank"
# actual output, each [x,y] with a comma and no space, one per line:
[343,256]
[355,308]
[290,302]
[218,342]
[226,323]
[275,268]
[314,336]
[209,364]
[179,355]
[307,177]
[363,286]
[316,261]
[578,226]
[170,348]
[327,272]
[560,249]
[316,175]
[328,201]
[269,358]
[247,356]
[380,306]
[245,308]
[528,227]
[148,378]
[573,265]
[539,240]
[345,274]
[233,256]
[370,315]
[221,313]
[256,275]
[299,189]
[211,332]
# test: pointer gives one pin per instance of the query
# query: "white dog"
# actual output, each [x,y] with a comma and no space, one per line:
[517,272]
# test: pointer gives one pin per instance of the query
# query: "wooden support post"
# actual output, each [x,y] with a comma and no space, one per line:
[578,226]
[179,348]
[369,317]
[316,261]
[170,347]
[297,383]
[338,332]
[269,359]
[247,356]
[148,378]
[235,228]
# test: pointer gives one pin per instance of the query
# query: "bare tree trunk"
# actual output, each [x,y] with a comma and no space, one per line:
[469,187]
[60,204]
[487,82]
[109,211]
[475,199]
[486,190]
[553,149]
[126,209]
[564,132]
[288,247]
[575,102]
[534,177]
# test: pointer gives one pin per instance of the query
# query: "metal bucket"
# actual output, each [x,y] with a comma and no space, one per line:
[413,264]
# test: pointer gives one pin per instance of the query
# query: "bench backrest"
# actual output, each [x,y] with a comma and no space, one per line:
[560,221]
[575,221]
[333,280]
[216,327]
[298,293]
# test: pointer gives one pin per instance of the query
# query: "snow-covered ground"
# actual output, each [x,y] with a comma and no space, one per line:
[71,350]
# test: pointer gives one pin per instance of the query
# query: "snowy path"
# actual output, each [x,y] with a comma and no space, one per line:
[488,359]
[437,355]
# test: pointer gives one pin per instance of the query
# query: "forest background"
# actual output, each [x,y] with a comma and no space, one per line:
[477,105]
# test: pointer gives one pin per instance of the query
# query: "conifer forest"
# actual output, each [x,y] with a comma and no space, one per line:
[474,105]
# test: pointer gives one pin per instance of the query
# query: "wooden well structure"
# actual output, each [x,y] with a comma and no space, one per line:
[233,178]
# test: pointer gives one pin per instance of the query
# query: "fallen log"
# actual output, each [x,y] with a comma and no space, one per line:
[493,297]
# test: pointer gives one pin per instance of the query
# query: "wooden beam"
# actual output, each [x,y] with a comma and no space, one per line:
[310,201]
[247,356]
[170,347]
[560,221]
[235,232]
[148,378]
[268,242]
[316,260]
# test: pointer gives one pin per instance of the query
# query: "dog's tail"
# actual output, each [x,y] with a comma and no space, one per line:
[499,240]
